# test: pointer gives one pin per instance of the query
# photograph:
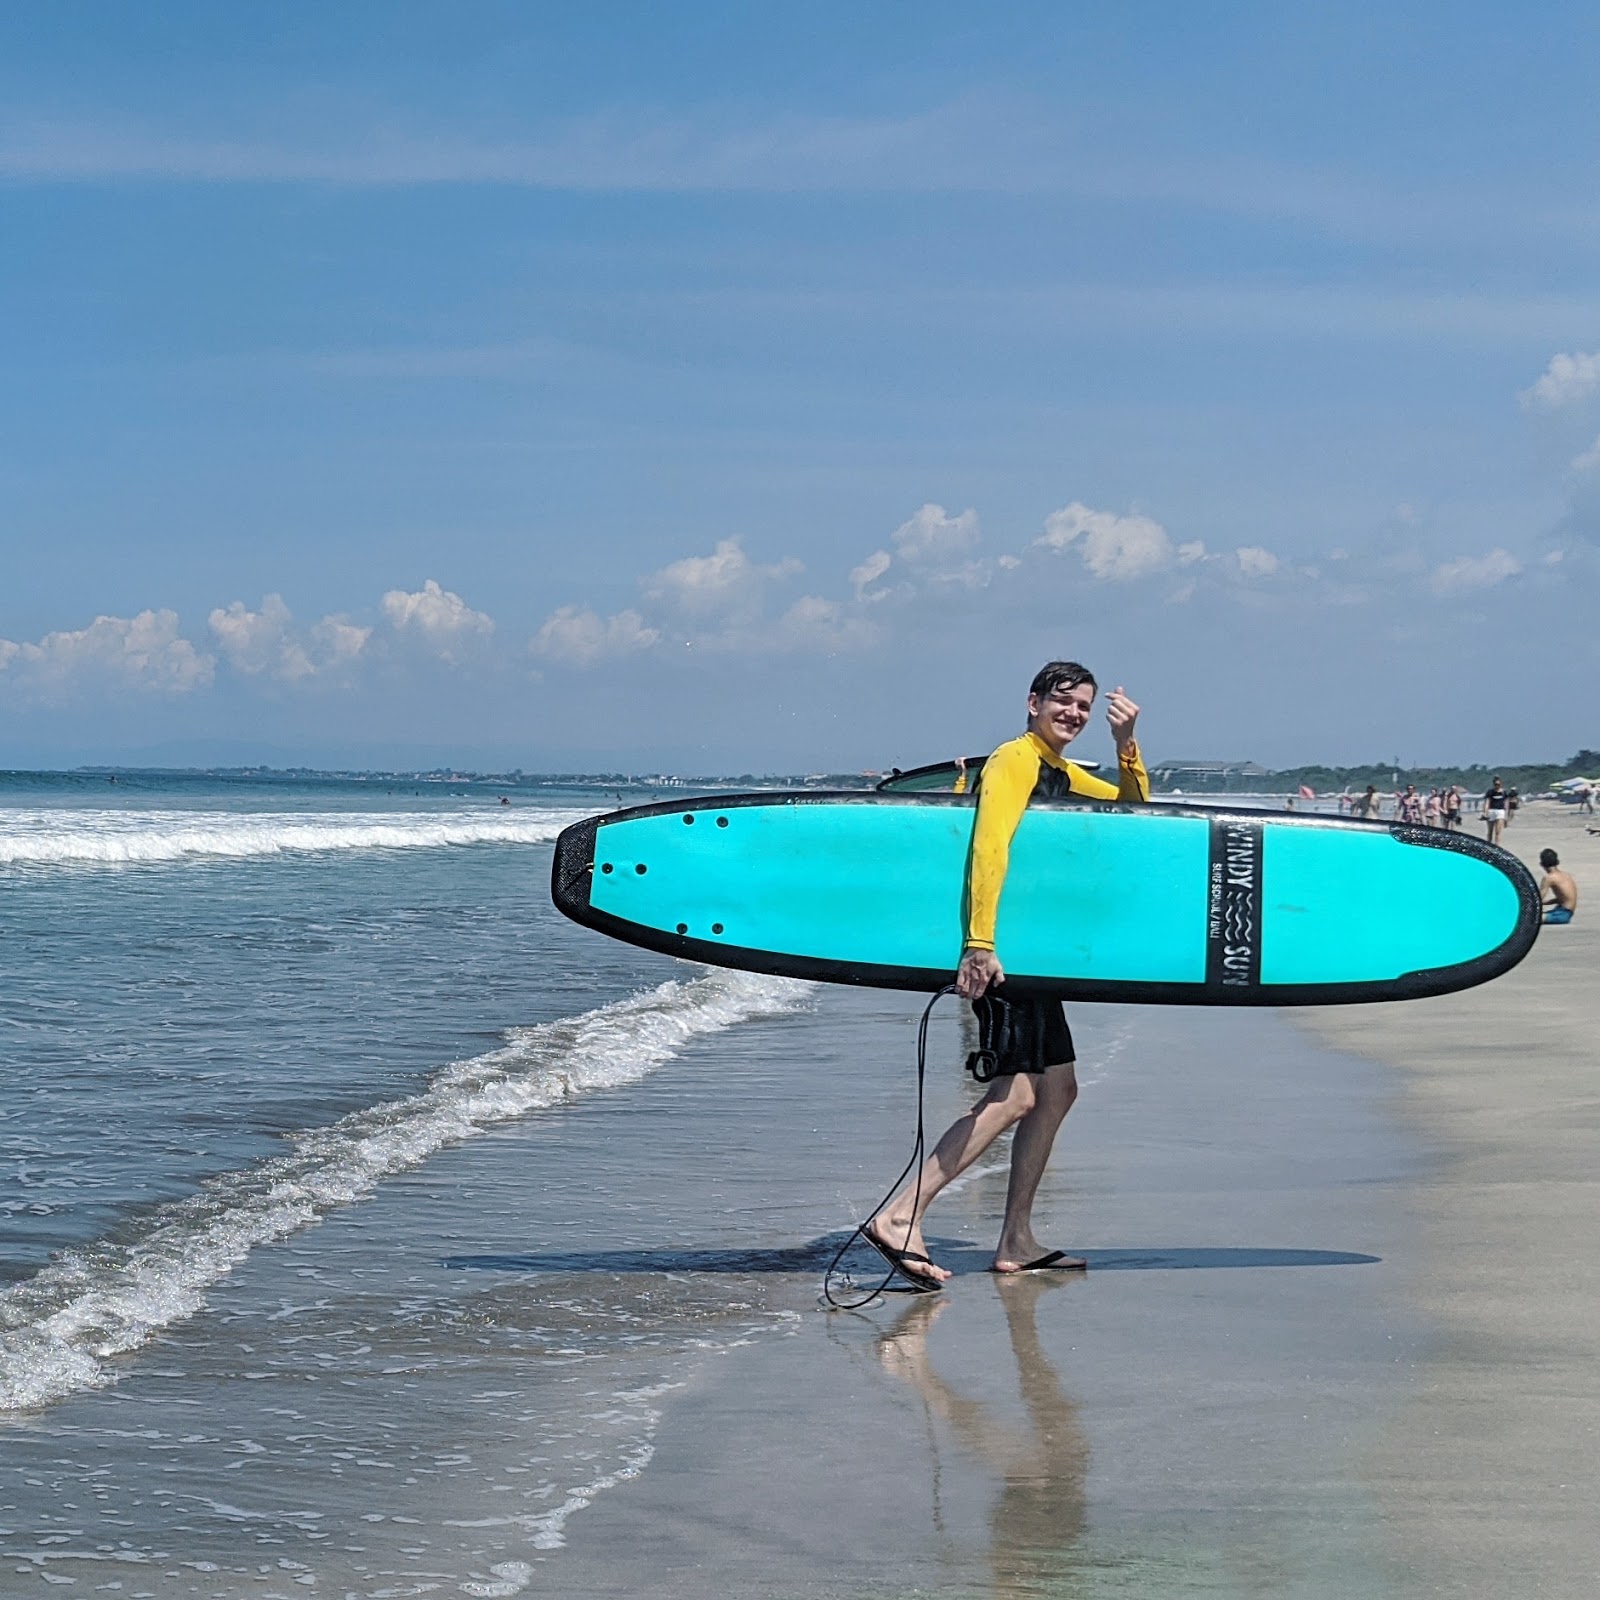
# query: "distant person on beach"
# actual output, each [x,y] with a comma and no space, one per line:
[1025,1043]
[1408,806]
[1585,799]
[1368,805]
[1558,893]
[1452,807]
[1513,805]
[1433,809]
[1492,811]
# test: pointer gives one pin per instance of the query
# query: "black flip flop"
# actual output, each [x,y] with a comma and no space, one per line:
[898,1258]
[1046,1263]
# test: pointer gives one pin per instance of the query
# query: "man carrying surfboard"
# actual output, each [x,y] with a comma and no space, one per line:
[1027,1045]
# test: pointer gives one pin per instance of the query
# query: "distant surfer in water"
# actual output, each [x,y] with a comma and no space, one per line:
[1026,1045]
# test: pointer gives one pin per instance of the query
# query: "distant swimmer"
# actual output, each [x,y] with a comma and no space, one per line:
[1557,891]
[505,800]
[1025,1054]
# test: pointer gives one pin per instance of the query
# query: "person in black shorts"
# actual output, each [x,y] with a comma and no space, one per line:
[1025,1046]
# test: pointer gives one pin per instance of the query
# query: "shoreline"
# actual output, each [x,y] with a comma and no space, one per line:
[1489,1475]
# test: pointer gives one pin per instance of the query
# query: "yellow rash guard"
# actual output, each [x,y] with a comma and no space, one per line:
[1022,770]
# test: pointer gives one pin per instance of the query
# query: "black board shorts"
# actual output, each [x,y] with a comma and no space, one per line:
[1019,1036]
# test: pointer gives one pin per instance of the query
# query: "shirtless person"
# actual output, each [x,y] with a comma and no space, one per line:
[1558,893]
[1035,1081]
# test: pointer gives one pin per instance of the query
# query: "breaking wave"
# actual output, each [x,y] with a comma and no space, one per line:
[59,1329]
[42,837]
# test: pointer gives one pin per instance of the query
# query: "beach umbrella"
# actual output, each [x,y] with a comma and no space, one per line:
[1307,792]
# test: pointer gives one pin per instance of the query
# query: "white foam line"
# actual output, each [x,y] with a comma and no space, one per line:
[121,838]
[58,1328]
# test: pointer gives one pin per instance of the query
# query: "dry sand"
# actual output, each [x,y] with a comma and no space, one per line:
[1489,1478]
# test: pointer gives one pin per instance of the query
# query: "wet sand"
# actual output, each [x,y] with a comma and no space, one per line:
[1489,1475]
[1190,1417]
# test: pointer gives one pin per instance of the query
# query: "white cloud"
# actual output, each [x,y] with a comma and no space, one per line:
[338,640]
[868,573]
[1254,562]
[1567,380]
[1589,459]
[579,636]
[443,621]
[813,622]
[266,642]
[1474,572]
[1112,547]
[724,586]
[934,537]
[260,641]
[1193,551]
[145,652]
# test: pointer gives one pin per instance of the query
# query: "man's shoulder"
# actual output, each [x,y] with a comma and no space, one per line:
[1018,752]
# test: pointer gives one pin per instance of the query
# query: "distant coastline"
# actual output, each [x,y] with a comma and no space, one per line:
[1184,777]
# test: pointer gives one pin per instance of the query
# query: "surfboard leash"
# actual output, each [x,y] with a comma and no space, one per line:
[918,1155]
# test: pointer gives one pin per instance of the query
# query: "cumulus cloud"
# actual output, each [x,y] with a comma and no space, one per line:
[145,652]
[1254,562]
[578,636]
[442,621]
[266,642]
[1112,547]
[932,536]
[725,586]
[1193,551]
[863,577]
[1474,572]
[814,622]
[1567,380]
[259,641]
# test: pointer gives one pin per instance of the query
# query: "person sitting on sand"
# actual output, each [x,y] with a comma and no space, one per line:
[1558,892]
[1034,1081]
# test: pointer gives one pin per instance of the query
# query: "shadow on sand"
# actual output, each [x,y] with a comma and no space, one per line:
[960,1257]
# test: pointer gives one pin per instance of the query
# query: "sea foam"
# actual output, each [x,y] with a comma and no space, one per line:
[59,1329]
[43,837]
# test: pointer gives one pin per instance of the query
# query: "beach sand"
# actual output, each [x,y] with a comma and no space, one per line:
[1489,1476]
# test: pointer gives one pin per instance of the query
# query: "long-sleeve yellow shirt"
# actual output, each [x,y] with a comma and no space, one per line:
[1022,770]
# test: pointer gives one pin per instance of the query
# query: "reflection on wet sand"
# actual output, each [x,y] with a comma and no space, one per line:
[1041,1465]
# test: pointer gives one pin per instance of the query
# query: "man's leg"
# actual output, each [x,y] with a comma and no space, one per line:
[898,1224]
[1054,1091]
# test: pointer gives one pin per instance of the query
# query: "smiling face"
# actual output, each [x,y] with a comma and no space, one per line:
[1061,715]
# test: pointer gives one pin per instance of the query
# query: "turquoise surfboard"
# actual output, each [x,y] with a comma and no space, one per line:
[1181,905]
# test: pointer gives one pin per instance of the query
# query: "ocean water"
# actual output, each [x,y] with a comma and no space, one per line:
[290,1072]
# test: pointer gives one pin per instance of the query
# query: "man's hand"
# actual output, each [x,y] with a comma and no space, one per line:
[979,971]
[1121,713]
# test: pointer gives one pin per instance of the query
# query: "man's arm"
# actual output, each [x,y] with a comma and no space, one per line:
[1008,780]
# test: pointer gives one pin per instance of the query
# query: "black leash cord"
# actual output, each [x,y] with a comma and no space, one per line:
[918,1151]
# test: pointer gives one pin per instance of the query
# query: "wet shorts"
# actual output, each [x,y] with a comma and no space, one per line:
[1018,1036]
[1558,914]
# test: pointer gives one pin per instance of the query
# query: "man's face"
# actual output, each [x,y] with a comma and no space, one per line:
[1060,716]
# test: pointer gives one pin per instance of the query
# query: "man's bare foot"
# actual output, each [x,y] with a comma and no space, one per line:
[1045,1261]
[905,1249]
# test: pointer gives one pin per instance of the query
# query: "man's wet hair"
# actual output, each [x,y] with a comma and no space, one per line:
[1055,675]
[1548,859]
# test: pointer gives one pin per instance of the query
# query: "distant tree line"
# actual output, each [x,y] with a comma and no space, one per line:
[1386,776]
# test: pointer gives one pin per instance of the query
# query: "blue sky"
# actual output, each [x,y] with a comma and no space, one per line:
[725,388]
